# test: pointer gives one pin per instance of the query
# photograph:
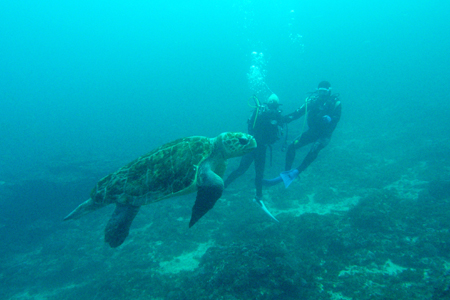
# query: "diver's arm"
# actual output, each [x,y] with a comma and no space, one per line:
[336,116]
[297,114]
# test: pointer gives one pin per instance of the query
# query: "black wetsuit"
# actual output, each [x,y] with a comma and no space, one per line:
[266,132]
[320,130]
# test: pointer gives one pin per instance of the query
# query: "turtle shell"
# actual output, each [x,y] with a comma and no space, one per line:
[164,172]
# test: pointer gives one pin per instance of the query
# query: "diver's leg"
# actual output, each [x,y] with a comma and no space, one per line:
[299,142]
[260,163]
[289,175]
[245,163]
[290,156]
[313,153]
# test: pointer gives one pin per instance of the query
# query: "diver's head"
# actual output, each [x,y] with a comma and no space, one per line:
[273,102]
[324,88]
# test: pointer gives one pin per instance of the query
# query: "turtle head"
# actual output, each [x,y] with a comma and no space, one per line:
[233,144]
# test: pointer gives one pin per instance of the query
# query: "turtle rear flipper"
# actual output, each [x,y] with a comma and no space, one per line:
[118,226]
[84,208]
[210,188]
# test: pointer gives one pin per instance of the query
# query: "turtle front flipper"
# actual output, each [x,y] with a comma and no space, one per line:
[118,226]
[210,188]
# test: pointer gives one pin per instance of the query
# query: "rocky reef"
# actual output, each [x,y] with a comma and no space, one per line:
[378,230]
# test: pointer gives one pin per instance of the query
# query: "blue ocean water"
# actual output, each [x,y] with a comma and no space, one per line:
[87,86]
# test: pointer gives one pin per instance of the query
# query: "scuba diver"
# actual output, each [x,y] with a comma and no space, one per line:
[323,112]
[265,124]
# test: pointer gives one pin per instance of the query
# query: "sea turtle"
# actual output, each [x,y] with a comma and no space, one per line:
[177,168]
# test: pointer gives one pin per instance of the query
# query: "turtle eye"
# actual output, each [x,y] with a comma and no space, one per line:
[243,141]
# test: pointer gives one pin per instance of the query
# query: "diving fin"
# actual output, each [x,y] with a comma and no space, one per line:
[289,176]
[264,208]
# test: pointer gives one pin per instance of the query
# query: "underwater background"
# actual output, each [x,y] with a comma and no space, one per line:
[88,86]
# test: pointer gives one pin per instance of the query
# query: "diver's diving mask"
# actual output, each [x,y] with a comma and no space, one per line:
[324,91]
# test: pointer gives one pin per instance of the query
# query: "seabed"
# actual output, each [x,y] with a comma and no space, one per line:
[347,230]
